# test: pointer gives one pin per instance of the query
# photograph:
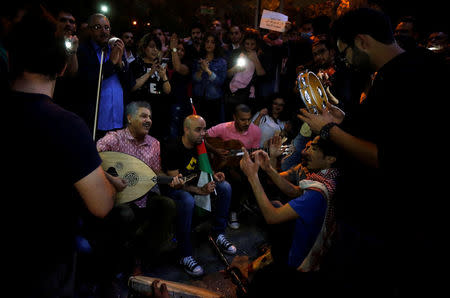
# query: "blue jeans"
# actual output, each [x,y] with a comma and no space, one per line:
[296,157]
[185,209]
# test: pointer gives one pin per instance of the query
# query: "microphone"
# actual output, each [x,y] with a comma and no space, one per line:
[112,41]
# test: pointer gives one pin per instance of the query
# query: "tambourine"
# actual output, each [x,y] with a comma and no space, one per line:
[312,92]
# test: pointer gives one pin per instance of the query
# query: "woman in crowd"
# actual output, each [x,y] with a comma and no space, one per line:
[245,66]
[152,83]
[273,120]
[208,77]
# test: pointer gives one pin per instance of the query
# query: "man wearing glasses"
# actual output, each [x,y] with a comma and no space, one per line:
[389,240]
[116,77]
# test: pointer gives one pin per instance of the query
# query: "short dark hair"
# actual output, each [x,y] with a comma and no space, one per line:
[242,108]
[363,21]
[327,147]
[323,39]
[197,25]
[254,35]
[145,40]
[34,47]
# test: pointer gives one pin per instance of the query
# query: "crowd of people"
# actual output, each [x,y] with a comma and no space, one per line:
[343,213]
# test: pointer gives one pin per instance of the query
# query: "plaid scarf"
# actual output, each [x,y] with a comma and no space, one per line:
[325,182]
[326,177]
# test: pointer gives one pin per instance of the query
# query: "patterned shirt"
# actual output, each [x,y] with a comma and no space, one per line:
[148,151]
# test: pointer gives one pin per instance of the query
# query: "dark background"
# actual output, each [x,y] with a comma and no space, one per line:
[177,15]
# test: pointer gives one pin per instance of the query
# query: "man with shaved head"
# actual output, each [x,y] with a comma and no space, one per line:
[180,157]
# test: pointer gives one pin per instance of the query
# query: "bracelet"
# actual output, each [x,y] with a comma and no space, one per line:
[325,131]
[165,81]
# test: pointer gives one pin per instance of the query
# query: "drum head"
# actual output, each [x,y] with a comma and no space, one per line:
[320,95]
[312,92]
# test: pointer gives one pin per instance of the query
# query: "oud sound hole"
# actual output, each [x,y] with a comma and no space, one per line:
[132,178]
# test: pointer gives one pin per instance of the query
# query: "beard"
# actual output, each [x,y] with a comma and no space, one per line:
[361,61]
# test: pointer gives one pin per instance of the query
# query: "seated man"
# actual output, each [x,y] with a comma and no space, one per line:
[249,135]
[180,157]
[145,223]
[310,213]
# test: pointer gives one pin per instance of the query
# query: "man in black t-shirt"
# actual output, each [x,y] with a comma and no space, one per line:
[388,223]
[49,162]
[180,157]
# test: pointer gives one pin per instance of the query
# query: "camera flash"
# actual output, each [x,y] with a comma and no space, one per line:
[241,62]
[68,44]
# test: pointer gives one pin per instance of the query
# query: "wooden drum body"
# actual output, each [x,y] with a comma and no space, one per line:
[312,92]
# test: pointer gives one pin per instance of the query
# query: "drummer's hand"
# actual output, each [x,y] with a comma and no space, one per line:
[160,292]
[317,121]
[331,97]
[177,182]
[323,76]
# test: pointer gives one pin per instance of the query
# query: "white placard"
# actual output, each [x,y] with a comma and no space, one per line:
[273,21]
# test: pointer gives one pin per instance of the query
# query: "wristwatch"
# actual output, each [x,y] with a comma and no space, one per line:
[174,50]
[325,130]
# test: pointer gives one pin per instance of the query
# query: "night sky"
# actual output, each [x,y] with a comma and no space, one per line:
[176,15]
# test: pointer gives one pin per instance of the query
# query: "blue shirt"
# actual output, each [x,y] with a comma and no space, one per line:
[210,87]
[311,207]
[111,109]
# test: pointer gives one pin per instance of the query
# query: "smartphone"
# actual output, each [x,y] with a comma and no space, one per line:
[241,62]
[164,62]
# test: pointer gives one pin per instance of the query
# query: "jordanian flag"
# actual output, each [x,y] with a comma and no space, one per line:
[206,172]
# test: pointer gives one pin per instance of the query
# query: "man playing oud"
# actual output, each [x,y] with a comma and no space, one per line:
[249,135]
[136,231]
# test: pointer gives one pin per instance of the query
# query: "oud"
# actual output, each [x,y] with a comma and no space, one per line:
[139,176]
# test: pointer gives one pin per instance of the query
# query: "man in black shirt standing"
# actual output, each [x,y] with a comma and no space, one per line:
[180,157]
[389,225]
[55,150]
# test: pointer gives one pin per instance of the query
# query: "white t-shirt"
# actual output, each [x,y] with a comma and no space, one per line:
[268,127]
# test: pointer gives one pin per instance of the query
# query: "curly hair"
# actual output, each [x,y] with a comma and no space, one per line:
[218,51]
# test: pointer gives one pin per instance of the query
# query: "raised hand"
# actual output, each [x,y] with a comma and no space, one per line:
[249,167]
[275,149]
[117,52]
[262,158]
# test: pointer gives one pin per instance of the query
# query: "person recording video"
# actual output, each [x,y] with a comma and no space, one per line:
[244,67]
[151,82]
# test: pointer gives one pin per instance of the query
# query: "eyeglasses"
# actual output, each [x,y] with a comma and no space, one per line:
[98,27]
[343,55]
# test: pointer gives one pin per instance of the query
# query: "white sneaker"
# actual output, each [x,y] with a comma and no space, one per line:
[191,266]
[225,245]
[233,222]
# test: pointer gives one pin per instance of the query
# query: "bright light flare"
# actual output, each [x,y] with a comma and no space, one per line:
[104,8]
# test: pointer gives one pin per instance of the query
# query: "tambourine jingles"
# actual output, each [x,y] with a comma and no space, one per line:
[312,92]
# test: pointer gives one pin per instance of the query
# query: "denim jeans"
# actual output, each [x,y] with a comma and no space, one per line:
[296,157]
[185,209]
